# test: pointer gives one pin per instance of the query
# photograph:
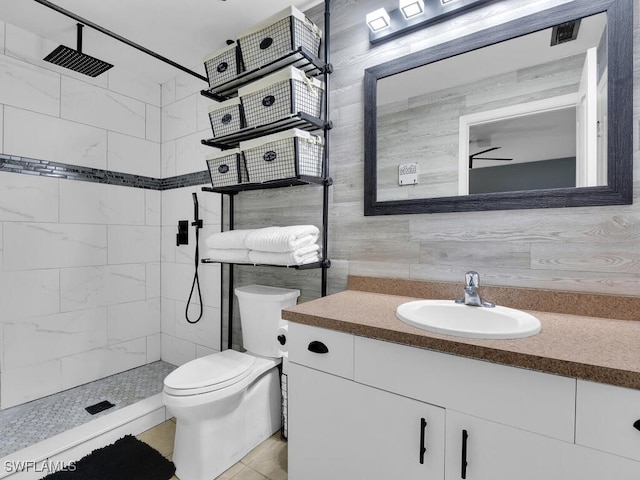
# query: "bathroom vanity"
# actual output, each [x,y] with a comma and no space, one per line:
[371,397]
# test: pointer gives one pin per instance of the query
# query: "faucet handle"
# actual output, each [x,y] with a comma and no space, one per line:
[472,279]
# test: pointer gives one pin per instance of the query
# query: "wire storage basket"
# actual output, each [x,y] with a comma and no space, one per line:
[227,168]
[277,37]
[226,117]
[288,154]
[223,66]
[281,95]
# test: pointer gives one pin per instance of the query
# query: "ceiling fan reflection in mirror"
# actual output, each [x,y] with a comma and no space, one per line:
[475,156]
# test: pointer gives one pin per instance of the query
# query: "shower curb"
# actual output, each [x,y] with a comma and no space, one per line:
[35,461]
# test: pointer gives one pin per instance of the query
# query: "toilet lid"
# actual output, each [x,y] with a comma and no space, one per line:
[209,373]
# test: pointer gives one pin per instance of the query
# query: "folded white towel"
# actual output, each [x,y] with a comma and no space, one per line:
[228,255]
[301,256]
[228,239]
[282,239]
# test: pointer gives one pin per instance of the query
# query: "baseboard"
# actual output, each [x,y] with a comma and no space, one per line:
[37,461]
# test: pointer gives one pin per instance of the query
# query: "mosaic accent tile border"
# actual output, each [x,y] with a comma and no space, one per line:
[187,180]
[45,168]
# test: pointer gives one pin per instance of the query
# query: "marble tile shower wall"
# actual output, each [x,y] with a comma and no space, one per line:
[184,124]
[80,272]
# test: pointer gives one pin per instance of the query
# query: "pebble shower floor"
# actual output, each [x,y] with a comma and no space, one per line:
[32,422]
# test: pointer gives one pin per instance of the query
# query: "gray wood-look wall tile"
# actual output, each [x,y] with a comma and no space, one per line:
[576,249]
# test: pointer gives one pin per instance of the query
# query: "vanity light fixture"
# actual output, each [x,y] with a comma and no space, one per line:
[414,14]
[378,20]
[411,8]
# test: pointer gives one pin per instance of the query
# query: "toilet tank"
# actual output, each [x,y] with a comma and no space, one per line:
[260,316]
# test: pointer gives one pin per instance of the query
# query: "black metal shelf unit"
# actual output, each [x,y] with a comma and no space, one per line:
[301,120]
[286,182]
[306,266]
[312,65]
[301,58]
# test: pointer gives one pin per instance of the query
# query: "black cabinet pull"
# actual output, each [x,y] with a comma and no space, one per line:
[423,449]
[317,347]
[636,425]
[465,436]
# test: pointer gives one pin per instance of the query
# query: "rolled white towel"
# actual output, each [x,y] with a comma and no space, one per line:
[282,239]
[230,239]
[301,256]
[228,255]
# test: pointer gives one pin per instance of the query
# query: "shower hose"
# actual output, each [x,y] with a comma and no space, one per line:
[196,280]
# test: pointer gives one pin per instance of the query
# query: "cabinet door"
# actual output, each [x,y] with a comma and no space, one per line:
[342,430]
[608,418]
[481,450]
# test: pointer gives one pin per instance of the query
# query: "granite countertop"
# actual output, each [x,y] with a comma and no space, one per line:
[598,349]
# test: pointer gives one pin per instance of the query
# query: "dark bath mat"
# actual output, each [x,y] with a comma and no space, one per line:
[126,459]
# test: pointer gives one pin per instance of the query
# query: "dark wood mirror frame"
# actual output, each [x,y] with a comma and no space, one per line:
[618,191]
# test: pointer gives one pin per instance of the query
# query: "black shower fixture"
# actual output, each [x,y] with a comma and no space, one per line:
[197,222]
[109,33]
[76,60]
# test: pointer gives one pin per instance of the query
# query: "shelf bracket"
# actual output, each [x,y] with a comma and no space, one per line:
[211,95]
[328,68]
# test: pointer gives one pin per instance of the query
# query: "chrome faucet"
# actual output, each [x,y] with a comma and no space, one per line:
[471,295]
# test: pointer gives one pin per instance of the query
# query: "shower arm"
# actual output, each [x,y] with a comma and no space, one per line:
[109,33]
[79,35]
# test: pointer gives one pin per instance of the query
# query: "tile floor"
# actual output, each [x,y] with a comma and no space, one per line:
[268,461]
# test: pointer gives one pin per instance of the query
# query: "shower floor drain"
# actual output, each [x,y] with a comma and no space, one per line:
[99,407]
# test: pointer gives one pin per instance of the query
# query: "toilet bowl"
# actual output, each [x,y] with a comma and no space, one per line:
[227,403]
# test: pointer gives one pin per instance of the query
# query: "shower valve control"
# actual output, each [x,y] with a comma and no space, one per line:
[182,237]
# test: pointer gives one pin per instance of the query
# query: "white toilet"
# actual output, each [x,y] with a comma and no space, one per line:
[227,403]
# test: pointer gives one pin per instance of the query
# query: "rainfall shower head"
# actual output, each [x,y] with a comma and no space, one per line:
[76,60]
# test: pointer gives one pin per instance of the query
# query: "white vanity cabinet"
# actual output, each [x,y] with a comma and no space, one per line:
[342,429]
[608,418]
[529,400]
[356,410]
[339,429]
[492,451]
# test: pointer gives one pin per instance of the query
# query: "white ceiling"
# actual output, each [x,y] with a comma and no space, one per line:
[184,31]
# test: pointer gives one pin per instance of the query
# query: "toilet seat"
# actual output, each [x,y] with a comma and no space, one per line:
[209,373]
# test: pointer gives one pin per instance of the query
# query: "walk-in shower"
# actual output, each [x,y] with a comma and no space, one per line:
[26,425]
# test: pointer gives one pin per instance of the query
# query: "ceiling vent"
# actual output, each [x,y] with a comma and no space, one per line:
[565,32]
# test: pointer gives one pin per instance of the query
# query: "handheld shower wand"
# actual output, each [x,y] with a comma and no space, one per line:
[196,212]
[197,222]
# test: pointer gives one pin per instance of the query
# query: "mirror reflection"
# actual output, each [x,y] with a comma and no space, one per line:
[525,114]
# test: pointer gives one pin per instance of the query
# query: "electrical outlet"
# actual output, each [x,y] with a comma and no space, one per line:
[408,174]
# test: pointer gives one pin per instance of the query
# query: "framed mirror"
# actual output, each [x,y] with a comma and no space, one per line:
[534,113]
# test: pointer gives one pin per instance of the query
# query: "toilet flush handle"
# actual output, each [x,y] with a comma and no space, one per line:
[282,339]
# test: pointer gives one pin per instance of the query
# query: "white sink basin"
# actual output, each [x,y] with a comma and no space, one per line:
[450,318]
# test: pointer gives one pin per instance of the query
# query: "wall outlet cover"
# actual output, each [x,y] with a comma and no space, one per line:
[408,174]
